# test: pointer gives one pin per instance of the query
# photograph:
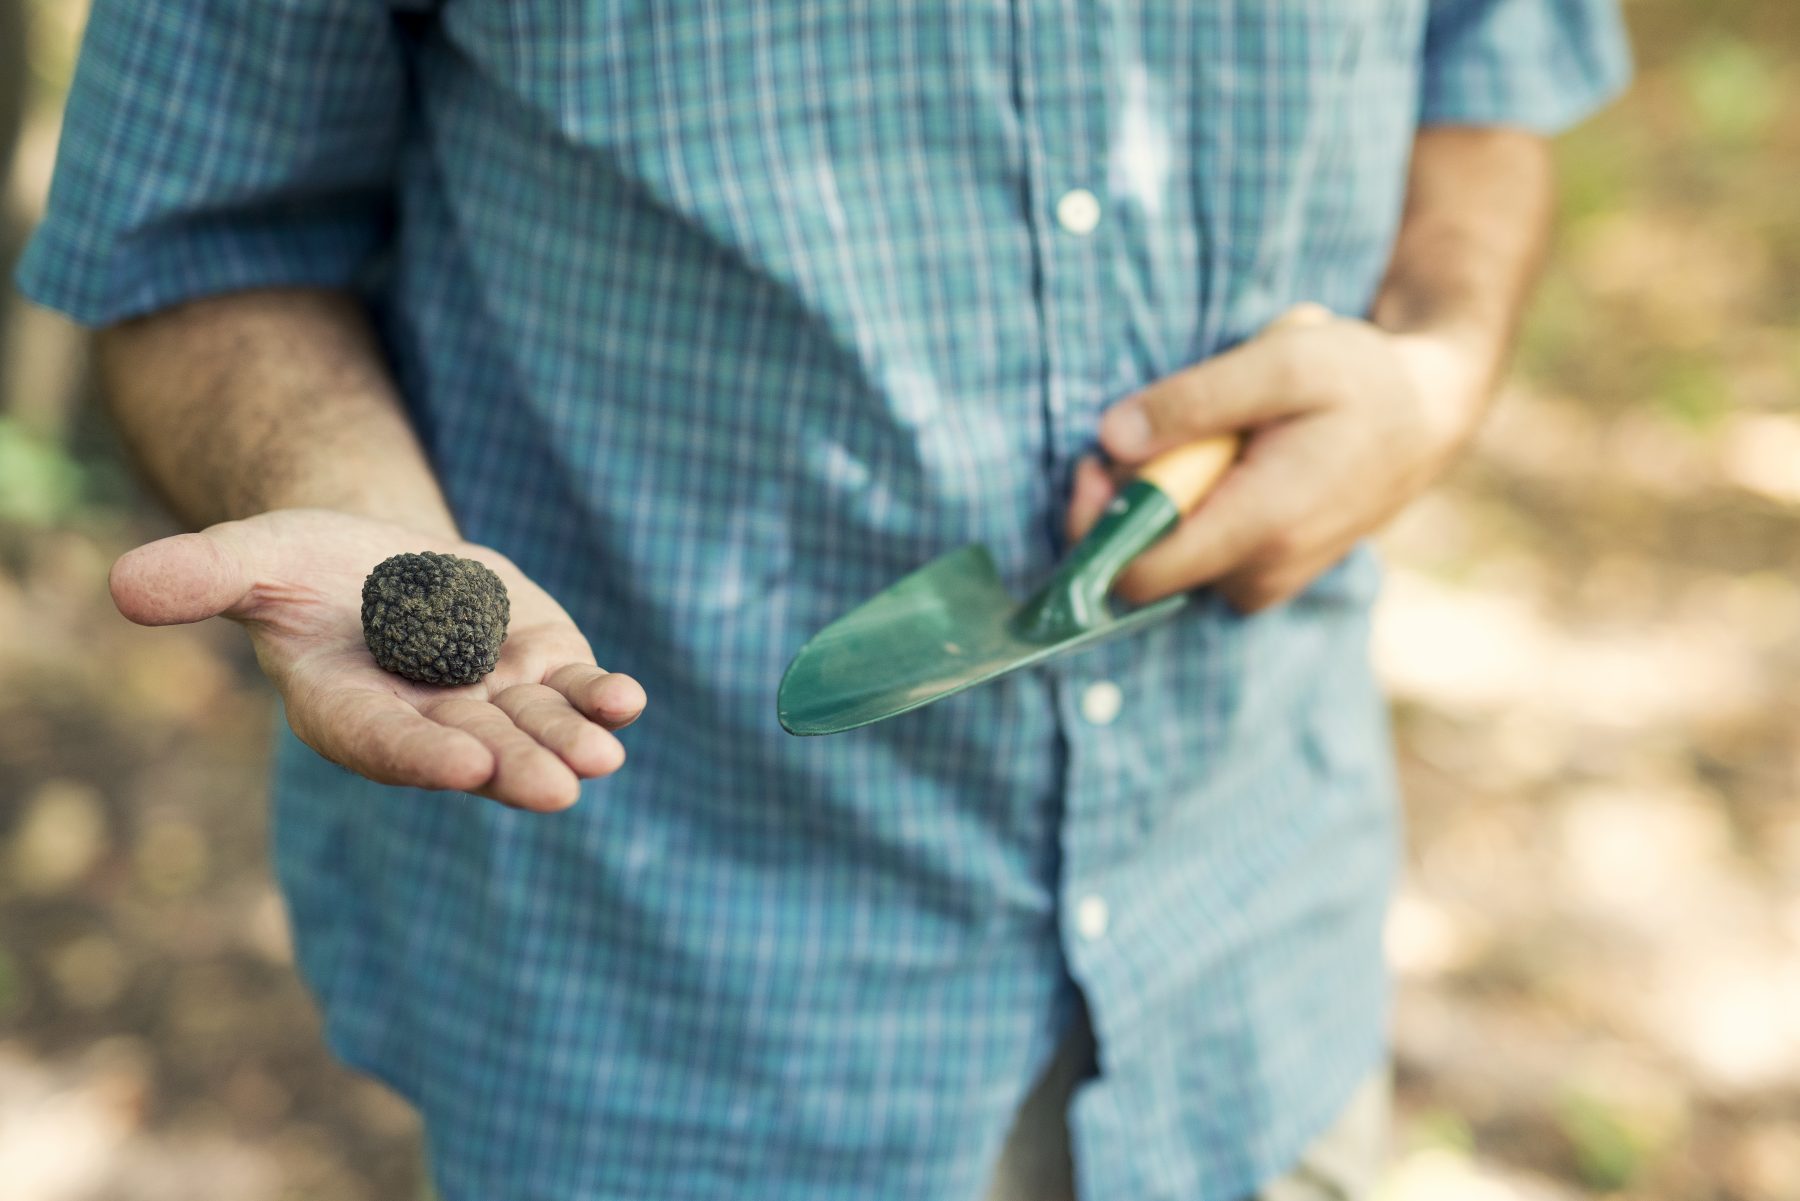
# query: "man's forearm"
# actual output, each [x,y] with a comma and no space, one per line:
[1478,209]
[254,401]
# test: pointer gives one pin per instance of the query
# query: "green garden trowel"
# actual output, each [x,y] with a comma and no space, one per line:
[950,625]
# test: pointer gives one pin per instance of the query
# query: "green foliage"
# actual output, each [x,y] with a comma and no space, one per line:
[1692,390]
[39,482]
[1609,1152]
[1557,329]
[1443,1129]
[1734,89]
[55,37]
[12,987]
[1597,166]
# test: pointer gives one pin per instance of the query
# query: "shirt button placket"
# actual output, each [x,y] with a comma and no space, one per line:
[1078,212]
[1092,917]
[1101,702]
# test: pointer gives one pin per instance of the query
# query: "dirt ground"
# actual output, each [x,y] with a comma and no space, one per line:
[1591,633]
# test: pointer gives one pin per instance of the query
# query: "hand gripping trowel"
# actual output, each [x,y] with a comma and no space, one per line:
[950,625]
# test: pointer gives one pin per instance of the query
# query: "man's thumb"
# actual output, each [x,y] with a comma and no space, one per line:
[1224,394]
[189,577]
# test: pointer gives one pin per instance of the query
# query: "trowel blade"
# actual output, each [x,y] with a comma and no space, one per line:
[938,631]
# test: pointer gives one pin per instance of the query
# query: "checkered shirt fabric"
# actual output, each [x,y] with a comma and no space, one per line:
[718,316]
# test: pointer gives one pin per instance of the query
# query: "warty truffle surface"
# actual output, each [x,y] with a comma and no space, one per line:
[434,618]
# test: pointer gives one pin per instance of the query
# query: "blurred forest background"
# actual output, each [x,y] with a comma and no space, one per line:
[1592,634]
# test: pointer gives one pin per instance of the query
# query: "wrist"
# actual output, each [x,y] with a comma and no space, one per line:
[326,474]
[429,525]
[1453,372]
[414,513]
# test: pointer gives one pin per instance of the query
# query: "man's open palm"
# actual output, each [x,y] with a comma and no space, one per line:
[293,578]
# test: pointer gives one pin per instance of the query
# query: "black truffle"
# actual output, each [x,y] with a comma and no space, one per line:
[437,619]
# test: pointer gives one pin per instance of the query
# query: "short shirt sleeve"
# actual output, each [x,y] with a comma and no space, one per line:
[1541,65]
[216,145]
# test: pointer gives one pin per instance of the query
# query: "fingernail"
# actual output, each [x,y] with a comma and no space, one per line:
[1125,430]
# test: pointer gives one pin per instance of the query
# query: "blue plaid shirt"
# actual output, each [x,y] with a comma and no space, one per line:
[718,316]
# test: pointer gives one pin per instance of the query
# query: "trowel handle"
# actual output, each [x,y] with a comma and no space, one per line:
[1187,473]
[1166,489]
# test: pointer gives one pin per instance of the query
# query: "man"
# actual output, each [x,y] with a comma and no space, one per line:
[713,318]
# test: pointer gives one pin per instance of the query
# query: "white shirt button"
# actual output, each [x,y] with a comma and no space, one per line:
[1101,702]
[1078,211]
[1091,917]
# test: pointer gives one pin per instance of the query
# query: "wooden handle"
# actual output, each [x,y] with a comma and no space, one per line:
[1187,473]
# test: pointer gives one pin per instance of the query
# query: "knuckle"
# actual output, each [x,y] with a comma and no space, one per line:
[520,696]
[1307,313]
[1198,399]
[1164,418]
[1136,587]
[1278,587]
[1284,542]
[1256,587]
[462,712]
[1288,365]
[1252,596]
[571,677]
[1176,410]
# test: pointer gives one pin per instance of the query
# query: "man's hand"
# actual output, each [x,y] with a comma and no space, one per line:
[1343,424]
[276,408]
[293,578]
[1345,421]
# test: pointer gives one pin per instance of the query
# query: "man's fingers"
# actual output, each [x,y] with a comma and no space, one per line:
[1263,586]
[189,577]
[526,775]
[608,697]
[547,716]
[378,735]
[1259,381]
[1247,518]
[1092,492]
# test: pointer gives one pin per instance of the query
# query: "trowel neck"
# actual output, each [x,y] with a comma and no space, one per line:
[1074,599]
